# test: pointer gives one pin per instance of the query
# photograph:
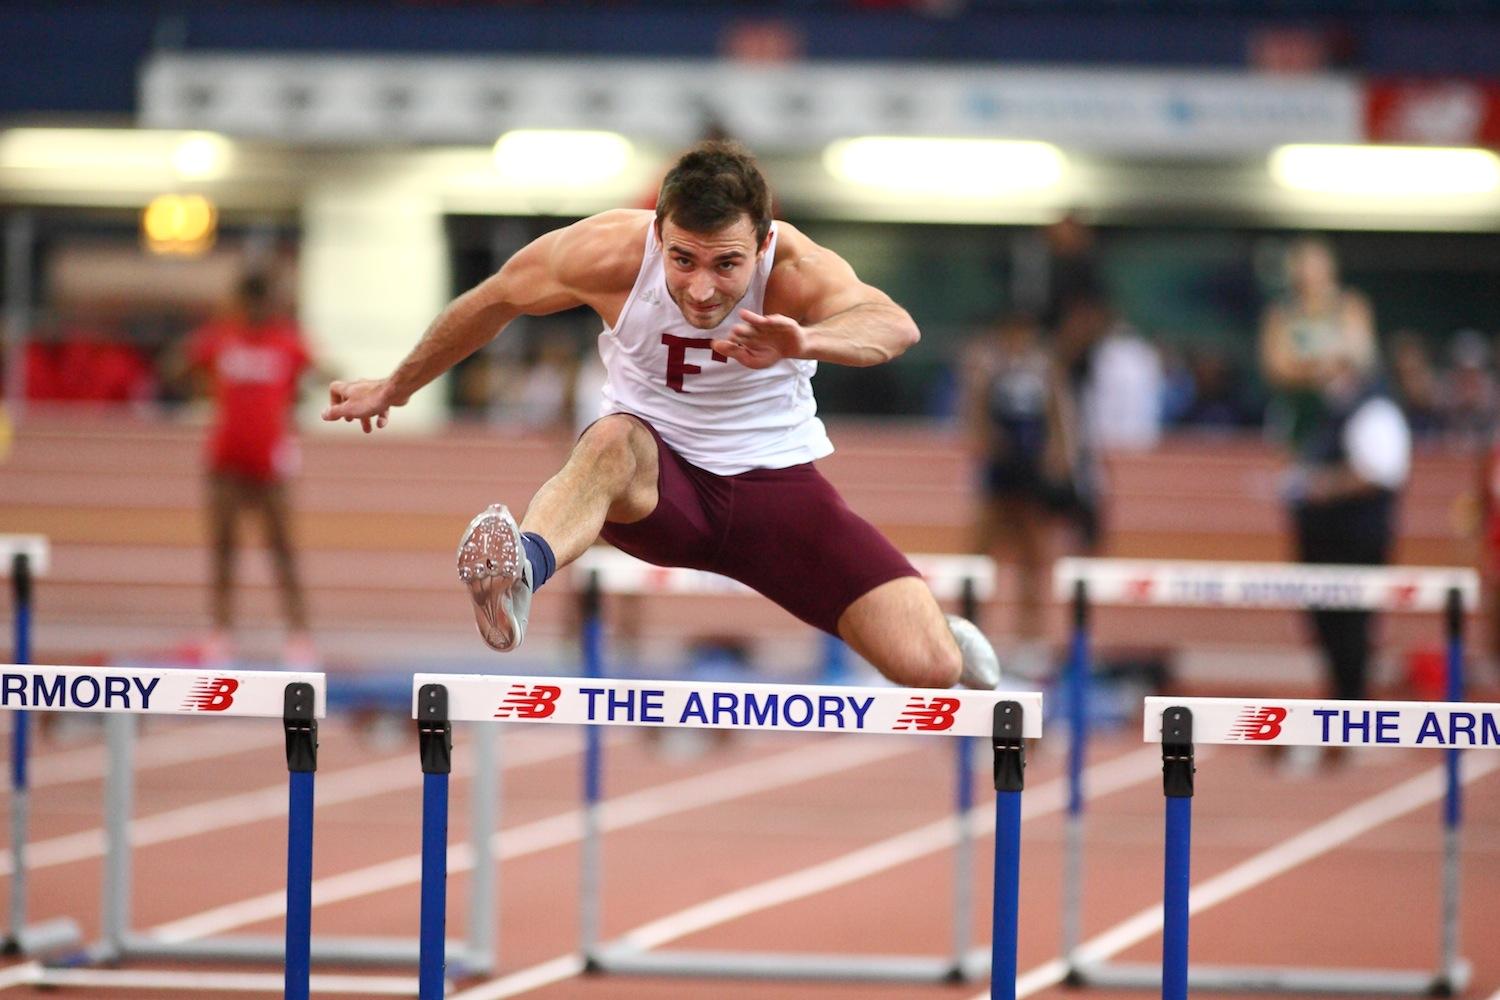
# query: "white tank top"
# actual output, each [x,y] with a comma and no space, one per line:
[716,413]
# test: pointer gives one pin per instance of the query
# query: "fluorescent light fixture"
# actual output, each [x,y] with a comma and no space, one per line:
[547,158]
[951,168]
[200,156]
[191,155]
[1388,171]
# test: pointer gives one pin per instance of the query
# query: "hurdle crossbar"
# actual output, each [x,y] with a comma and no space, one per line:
[298,699]
[24,558]
[1177,724]
[1006,718]
[1251,585]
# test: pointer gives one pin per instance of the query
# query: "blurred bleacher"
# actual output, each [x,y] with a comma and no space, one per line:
[377,519]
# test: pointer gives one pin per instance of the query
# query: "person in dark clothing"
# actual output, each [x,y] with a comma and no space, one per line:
[1350,467]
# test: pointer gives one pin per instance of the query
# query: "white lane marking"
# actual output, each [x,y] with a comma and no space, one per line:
[1102,779]
[1359,819]
[89,763]
[222,982]
[333,788]
[804,763]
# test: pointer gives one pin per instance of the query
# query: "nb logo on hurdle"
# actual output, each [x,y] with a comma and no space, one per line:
[1256,724]
[528,701]
[927,715]
[211,694]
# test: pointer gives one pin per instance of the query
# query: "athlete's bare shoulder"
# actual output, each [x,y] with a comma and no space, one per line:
[806,278]
[601,255]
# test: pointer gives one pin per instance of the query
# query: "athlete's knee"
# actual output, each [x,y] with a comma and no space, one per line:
[612,446]
[928,662]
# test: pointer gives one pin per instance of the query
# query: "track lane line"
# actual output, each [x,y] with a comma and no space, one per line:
[804,763]
[1355,821]
[1121,772]
[257,805]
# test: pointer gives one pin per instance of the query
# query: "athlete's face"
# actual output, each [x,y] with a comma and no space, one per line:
[708,273]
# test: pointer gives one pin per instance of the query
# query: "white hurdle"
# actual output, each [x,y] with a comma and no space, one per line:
[1006,718]
[25,558]
[1226,586]
[965,579]
[1178,724]
[298,699]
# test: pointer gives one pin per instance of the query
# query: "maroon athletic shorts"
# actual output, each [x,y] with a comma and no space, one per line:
[783,532]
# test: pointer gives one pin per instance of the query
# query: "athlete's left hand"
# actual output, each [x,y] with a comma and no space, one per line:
[760,341]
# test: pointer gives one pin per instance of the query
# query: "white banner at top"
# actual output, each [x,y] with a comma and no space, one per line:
[620,573]
[1192,584]
[386,99]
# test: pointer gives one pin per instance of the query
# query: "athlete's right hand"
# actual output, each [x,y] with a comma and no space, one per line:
[366,400]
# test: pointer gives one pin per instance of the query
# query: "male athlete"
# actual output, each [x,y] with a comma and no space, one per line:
[715,319]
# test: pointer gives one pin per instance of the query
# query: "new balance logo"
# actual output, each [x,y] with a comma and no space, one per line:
[523,701]
[1258,724]
[927,715]
[212,694]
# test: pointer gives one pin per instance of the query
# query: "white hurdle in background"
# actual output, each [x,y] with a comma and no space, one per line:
[298,699]
[1177,724]
[1227,586]
[965,579]
[1005,717]
[24,558]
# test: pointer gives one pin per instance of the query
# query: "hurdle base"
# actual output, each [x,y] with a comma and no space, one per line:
[159,981]
[778,965]
[42,939]
[373,952]
[1272,979]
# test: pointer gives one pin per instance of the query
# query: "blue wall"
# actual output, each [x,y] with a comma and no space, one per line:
[82,56]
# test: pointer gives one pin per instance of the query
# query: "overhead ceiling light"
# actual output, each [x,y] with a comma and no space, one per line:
[548,158]
[954,168]
[1390,171]
[201,156]
[190,155]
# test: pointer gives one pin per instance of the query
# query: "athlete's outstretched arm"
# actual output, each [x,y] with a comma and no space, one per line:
[818,309]
[546,276]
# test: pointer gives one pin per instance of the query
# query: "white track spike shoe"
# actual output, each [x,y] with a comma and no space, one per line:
[492,563]
[981,667]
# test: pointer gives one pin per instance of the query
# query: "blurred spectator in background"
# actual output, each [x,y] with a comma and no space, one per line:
[253,359]
[1318,327]
[1487,465]
[543,397]
[82,358]
[1083,326]
[1020,427]
[1122,399]
[1471,398]
[1072,268]
[1351,463]
[1418,389]
[1217,397]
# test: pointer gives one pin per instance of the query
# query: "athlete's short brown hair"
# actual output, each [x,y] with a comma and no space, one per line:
[711,186]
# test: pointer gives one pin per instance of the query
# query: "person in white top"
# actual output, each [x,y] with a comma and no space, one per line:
[715,319]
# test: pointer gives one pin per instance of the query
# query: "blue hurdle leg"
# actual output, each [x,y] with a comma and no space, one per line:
[432,940]
[299,857]
[1174,968]
[1007,905]
[435,742]
[297,719]
[591,876]
[1177,768]
[1010,779]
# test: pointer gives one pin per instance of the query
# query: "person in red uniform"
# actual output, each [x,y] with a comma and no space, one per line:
[253,360]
